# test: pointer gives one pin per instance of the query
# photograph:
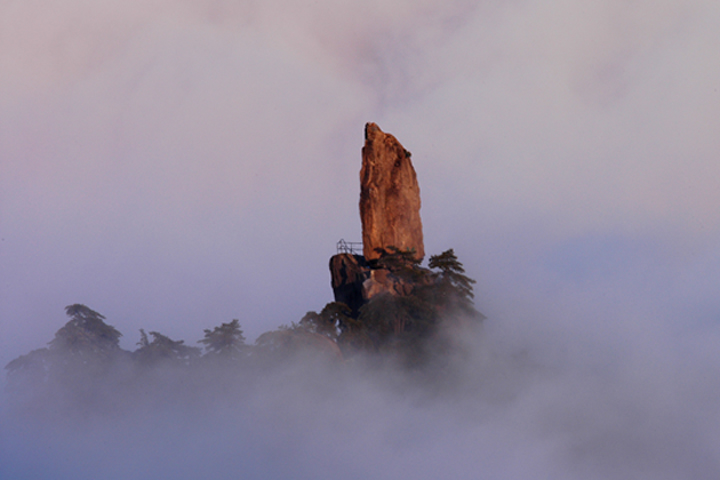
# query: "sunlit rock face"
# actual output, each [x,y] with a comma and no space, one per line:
[390,215]
[389,196]
[383,281]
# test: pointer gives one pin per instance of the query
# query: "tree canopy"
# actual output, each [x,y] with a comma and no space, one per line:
[402,317]
[86,333]
[452,290]
[163,349]
[227,340]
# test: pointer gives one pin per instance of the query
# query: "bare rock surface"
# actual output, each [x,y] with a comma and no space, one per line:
[389,196]
[383,281]
[390,215]
[348,273]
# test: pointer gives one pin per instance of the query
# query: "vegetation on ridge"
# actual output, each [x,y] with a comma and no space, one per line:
[405,327]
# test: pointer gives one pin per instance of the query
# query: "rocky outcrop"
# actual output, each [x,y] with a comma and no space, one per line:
[389,197]
[390,215]
[349,273]
[383,281]
[354,281]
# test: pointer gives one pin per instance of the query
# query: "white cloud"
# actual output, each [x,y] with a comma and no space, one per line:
[177,164]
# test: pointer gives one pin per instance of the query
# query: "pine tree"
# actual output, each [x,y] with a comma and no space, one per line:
[226,341]
[163,349]
[452,289]
[86,334]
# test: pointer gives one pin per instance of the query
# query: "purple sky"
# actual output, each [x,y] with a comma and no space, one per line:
[175,165]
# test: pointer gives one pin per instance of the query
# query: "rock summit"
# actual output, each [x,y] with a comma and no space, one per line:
[390,215]
[389,197]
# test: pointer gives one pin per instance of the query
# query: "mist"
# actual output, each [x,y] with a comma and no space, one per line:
[175,165]
[498,407]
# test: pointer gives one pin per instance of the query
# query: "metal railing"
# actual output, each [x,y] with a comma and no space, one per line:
[353,248]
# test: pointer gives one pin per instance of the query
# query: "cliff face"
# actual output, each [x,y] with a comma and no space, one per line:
[390,215]
[349,273]
[389,196]
[354,282]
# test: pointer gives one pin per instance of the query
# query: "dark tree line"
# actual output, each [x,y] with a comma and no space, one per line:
[403,326]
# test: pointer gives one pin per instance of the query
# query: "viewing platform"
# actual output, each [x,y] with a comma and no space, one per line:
[353,248]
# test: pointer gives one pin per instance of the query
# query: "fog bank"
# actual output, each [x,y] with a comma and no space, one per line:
[506,408]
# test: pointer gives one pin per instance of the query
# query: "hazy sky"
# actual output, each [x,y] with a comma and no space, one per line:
[177,164]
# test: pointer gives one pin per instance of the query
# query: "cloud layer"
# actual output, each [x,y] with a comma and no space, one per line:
[174,165]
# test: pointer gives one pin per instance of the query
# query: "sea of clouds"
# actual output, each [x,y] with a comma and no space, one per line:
[174,165]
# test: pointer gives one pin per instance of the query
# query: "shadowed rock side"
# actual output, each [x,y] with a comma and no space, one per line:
[389,197]
[348,273]
[354,282]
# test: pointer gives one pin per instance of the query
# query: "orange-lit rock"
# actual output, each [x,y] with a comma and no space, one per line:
[389,196]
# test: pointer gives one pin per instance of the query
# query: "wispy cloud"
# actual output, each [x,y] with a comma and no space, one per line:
[178,164]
